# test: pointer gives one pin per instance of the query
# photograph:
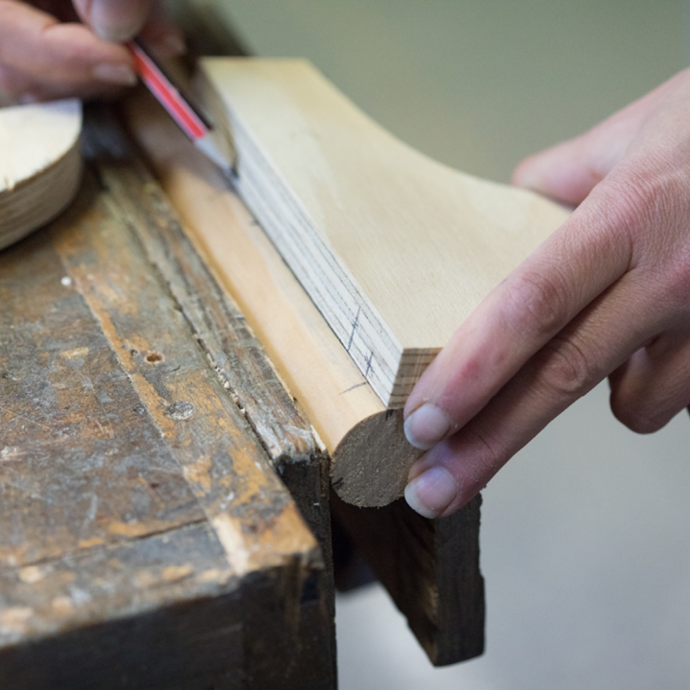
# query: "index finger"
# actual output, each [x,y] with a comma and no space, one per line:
[589,253]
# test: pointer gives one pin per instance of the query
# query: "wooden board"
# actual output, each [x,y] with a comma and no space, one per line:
[146,540]
[395,249]
[370,457]
[40,165]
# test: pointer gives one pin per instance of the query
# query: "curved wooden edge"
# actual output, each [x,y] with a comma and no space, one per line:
[395,249]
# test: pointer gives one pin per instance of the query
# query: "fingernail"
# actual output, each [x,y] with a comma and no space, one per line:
[115,73]
[426,426]
[116,21]
[431,492]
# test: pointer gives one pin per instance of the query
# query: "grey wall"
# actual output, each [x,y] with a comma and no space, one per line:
[477,83]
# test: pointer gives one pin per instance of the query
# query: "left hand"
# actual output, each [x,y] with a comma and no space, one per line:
[607,295]
[46,52]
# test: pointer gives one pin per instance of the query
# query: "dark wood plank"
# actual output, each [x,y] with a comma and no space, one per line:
[431,570]
[132,615]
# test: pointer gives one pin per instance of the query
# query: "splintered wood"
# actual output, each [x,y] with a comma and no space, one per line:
[395,249]
[40,165]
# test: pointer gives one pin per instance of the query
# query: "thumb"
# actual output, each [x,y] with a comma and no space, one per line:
[570,170]
[114,20]
[567,172]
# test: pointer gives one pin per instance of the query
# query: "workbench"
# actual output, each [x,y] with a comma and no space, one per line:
[165,507]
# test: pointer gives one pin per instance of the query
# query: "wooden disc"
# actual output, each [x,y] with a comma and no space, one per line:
[40,165]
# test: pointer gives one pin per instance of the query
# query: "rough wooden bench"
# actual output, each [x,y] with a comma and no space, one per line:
[146,539]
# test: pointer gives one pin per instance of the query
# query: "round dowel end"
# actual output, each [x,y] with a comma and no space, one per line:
[371,463]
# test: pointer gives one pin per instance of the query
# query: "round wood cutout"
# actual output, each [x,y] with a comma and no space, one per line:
[40,165]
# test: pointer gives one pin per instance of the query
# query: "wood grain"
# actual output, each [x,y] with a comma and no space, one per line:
[395,249]
[40,165]
[430,569]
[239,360]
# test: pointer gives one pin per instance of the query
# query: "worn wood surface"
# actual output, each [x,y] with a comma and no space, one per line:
[145,540]
[233,350]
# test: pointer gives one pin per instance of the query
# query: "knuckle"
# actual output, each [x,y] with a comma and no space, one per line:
[487,457]
[540,302]
[650,197]
[642,198]
[659,204]
[676,278]
[564,369]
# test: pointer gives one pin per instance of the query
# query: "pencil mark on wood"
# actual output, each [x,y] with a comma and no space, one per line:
[354,328]
[368,367]
[351,388]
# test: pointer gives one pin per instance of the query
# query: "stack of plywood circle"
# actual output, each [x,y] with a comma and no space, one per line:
[40,165]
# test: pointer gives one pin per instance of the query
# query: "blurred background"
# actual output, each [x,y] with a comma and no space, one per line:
[586,533]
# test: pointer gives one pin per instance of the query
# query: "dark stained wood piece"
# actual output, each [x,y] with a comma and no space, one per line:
[431,570]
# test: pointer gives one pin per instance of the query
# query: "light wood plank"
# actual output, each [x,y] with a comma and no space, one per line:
[395,249]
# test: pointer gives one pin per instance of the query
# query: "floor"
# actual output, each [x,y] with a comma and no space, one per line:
[586,534]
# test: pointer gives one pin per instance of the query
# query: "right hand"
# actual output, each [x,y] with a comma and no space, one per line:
[606,295]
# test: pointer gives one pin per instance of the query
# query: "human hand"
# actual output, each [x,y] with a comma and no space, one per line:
[608,294]
[46,53]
